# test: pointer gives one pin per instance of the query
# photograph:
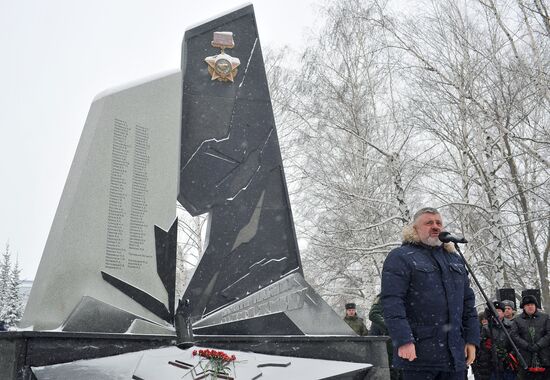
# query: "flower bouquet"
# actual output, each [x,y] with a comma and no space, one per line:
[535,364]
[215,364]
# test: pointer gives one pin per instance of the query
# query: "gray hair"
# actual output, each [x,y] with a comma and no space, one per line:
[424,210]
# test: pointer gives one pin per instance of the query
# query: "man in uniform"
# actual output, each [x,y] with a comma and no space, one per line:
[354,321]
[509,309]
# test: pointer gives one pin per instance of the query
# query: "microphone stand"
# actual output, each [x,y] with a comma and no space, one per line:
[493,310]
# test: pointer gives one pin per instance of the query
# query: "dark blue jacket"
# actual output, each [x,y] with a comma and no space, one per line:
[427,300]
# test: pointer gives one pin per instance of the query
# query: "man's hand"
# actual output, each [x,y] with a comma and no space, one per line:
[407,351]
[470,353]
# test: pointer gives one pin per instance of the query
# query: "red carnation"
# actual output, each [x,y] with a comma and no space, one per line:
[218,361]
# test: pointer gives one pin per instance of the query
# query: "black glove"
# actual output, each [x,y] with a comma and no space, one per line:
[533,347]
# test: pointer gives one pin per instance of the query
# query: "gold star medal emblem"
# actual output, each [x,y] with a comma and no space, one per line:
[223,67]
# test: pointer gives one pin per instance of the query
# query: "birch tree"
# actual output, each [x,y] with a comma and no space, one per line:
[479,78]
[190,246]
[446,106]
[354,160]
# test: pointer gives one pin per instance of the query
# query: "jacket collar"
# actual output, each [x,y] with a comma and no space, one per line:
[524,315]
[351,318]
[410,236]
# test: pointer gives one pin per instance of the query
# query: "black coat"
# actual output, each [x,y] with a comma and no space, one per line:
[539,322]
[482,364]
[427,300]
[495,347]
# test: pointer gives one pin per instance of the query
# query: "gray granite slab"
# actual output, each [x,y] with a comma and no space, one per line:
[122,183]
[154,364]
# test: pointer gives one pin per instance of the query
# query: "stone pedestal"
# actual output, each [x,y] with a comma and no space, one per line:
[357,349]
[21,350]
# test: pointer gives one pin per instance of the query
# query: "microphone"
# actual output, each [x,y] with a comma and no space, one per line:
[447,237]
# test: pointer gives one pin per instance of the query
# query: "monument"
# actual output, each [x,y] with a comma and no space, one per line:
[99,271]
[250,278]
[108,269]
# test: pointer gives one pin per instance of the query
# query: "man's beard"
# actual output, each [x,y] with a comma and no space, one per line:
[432,241]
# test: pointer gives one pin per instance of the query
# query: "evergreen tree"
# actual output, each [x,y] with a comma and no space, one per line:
[11,305]
[5,266]
[15,303]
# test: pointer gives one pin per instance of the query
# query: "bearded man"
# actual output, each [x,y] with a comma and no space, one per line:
[429,304]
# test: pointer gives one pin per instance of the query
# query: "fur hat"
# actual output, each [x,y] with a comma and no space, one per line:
[481,316]
[529,299]
[499,305]
[350,305]
[509,303]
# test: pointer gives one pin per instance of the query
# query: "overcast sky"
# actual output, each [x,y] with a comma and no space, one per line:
[57,55]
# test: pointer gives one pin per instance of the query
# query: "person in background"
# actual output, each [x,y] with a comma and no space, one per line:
[481,366]
[531,334]
[483,321]
[354,321]
[509,309]
[378,328]
[495,349]
[429,306]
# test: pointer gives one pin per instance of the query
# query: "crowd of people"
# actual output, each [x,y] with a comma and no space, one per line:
[496,358]
[427,308]
[528,331]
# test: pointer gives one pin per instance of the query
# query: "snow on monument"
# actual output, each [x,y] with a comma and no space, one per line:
[206,137]
[99,270]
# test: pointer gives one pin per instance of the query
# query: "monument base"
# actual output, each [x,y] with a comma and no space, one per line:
[358,349]
[19,351]
[24,349]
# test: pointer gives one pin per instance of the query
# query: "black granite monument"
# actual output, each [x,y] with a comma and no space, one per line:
[248,294]
[250,278]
